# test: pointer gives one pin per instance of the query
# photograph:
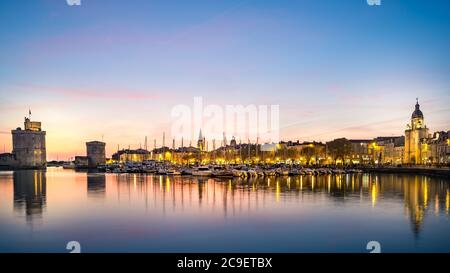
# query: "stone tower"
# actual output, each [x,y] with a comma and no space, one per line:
[95,151]
[29,146]
[414,133]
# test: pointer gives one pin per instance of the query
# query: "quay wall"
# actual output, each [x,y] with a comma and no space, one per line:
[443,172]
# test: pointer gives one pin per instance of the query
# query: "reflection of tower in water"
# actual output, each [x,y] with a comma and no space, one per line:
[417,193]
[96,184]
[30,193]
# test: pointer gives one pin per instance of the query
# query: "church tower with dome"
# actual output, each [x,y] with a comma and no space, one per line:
[415,132]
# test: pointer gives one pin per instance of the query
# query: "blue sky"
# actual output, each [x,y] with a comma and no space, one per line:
[115,68]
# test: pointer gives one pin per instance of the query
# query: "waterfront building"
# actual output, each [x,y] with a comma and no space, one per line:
[95,151]
[399,154]
[29,146]
[81,162]
[162,154]
[7,160]
[415,134]
[186,155]
[422,147]
[389,150]
[361,151]
[436,150]
[139,155]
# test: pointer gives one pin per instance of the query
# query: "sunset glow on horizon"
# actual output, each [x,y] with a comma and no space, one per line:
[113,70]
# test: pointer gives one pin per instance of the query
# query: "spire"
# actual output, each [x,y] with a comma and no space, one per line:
[200,137]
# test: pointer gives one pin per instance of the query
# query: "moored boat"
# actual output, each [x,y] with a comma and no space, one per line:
[202,171]
[222,173]
[173,172]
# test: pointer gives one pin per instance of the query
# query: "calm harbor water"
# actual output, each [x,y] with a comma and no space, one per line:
[40,211]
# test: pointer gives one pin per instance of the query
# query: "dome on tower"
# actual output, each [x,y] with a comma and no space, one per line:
[417,113]
[233,142]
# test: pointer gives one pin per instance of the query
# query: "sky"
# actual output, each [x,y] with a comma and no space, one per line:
[113,70]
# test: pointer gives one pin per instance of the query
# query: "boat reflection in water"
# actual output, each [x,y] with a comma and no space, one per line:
[152,213]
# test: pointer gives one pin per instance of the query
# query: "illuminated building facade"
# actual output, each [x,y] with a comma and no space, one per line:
[360,151]
[415,132]
[389,150]
[128,155]
[436,150]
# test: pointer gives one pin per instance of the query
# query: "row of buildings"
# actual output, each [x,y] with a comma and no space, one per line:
[416,147]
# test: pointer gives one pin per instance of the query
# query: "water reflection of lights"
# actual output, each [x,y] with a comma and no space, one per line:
[414,192]
[329,184]
[425,194]
[374,193]
[365,181]
[436,205]
[167,184]
[35,183]
[447,202]
[278,190]
[339,181]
